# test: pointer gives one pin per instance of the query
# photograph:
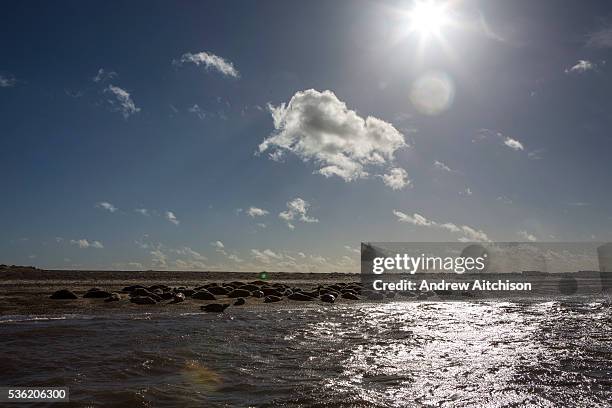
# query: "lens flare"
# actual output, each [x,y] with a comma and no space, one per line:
[432,93]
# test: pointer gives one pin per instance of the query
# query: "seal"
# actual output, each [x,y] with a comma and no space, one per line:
[215,307]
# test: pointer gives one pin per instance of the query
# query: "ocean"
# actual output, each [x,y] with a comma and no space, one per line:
[394,354]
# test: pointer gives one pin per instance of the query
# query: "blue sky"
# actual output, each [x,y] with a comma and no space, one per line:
[277,135]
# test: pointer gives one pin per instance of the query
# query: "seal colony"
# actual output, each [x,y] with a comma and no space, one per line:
[234,293]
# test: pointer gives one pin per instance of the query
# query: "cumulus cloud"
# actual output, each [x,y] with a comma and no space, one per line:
[397,178]
[297,209]
[257,212]
[318,127]
[581,67]
[7,81]
[210,61]
[122,101]
[469,234]
[83,243]
[513,144]
[103,75]
[104,205]
[172,218]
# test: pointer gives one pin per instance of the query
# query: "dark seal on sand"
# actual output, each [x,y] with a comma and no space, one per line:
[236,293]
[300,296]
[96,293]
[203,295]
[239,301]
[64,294]
[328,298]
[215,307]
[143,300]
[272,299]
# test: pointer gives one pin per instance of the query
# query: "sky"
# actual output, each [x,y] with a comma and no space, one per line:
[278,135]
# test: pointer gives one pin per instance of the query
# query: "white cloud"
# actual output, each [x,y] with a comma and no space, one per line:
[351,249]
[104,75]
[7,81]
[122,101]
[536,154]
[527,236]
[397,178]
[142,211]
[510,142]
[235,258]
[467,192]
[513,144]
[469,233]
[104,205]
[210,61]
[581,67]
[83,243]
[257,212]
[266,256]
[172,218]
[187,251]
[218,244]
[441,166]
[297,209]
[318,127]
[159,259]
[195,109]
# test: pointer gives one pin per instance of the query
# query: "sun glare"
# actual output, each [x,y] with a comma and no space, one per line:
[427,17]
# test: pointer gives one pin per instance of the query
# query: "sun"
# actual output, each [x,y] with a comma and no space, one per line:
[428,17]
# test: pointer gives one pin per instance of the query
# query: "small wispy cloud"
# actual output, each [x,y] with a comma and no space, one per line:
[142,211]
[84,243]
[600,38]
[210,61]
[351,249]
[7,81]
[169,215]
[103,75]
[257,212]
[196,110]
[536,154]
[581,67]
[512,143]
[441,166]
[470,234]
[297,209]
[217,244]
[527,236]
[105,205]
[122,101]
